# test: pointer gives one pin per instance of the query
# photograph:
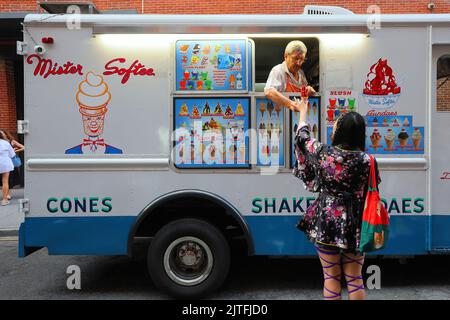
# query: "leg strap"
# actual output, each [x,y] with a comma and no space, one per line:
[328,276]
[353,278]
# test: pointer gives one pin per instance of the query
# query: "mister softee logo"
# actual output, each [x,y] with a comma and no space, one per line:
[117,66]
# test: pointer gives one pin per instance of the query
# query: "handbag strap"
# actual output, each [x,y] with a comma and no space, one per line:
[372,178]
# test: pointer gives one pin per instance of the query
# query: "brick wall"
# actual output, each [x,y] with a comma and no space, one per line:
[242,6]
[7,97]
[443,95]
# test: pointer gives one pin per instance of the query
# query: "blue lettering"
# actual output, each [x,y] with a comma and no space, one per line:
[270,205]
[106,203]
[50,209]
[256,203]
[284,206]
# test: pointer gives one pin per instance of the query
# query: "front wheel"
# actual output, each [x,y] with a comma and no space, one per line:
[189,258]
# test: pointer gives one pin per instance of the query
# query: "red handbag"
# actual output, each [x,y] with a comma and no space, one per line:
[375,218]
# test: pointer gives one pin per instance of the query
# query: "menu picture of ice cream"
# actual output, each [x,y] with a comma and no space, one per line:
[389,121]
[211,65]
[211,132]
[312,119]
[398,134]
[270,133]
[392,140]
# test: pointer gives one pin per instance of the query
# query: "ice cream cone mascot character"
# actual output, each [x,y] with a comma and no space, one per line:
[93,98]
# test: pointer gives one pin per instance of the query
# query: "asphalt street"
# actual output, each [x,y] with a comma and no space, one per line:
[40,276]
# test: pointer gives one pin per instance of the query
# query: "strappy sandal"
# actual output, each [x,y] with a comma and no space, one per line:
[353,278]
[327,276]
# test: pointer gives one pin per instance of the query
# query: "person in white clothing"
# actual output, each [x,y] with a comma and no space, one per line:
[288,76]
[6,166]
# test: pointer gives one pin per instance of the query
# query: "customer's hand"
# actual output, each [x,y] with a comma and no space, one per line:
[300,105]
[311,91]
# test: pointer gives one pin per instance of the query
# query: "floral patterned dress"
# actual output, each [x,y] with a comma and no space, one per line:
[341,178]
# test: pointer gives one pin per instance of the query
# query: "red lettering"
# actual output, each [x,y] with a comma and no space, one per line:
[381,113]
[46,67]
[115,69]
[340,93]
[136,68]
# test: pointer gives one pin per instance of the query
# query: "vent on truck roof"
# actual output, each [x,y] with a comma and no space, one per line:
[86,7]
[325,10]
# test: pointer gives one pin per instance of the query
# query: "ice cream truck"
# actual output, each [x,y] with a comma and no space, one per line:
[153,132]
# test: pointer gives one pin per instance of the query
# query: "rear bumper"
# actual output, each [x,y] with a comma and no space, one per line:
[75,235]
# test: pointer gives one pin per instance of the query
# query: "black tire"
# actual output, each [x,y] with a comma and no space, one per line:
[208,253]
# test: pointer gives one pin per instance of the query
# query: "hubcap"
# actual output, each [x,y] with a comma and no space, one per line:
[188,261]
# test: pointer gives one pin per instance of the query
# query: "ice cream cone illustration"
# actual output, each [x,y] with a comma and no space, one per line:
[278,109]
[239,110]
[406,122]
[416,137]
[241,152]
[375,122]
[403,139]
[375,138]
[395,123]
[314,108]
[389,138]
[314,130]
[93,98]
[270,108]
[181,153]
[262,108]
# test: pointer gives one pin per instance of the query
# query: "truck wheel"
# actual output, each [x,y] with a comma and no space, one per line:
[188,258]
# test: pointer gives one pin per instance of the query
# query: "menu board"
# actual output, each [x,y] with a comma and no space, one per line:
[270,127]
[211,65]
[312,118]
[211,132]
[391,135]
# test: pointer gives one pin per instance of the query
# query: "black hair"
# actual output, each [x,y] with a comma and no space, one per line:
[350,132]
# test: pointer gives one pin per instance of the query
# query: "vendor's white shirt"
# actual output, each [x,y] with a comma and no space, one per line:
[6,153]
[277,78]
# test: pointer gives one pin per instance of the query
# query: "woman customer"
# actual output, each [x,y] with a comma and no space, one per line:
[15,176]
[339,172]
[6,166]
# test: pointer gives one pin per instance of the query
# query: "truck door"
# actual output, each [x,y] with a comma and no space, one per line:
[440,149]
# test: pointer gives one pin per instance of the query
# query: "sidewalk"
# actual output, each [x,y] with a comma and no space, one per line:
[10,219]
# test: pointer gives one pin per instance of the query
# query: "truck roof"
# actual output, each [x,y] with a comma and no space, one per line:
[237,23]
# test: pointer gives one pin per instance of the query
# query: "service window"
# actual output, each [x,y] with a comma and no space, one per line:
[275,130]
[443,84]
[270,51]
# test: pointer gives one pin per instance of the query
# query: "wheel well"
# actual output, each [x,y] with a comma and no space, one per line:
[209,210]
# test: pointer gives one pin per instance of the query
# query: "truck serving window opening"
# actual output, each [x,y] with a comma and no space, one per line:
[443,83]
[270,51]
